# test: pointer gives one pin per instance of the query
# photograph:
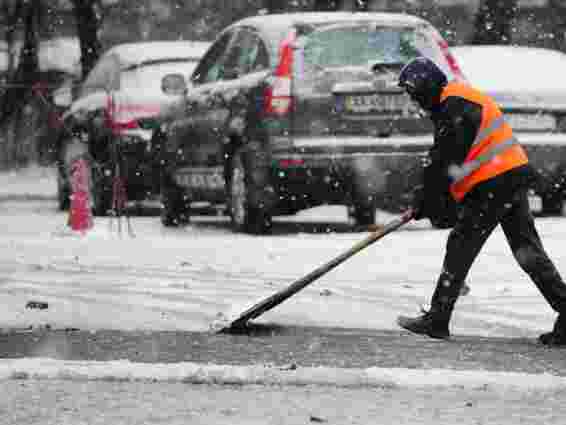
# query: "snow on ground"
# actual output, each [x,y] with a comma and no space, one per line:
[186,279]
[196,373]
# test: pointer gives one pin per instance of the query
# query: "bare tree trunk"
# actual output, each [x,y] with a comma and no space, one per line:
[11,15]
[14,15]
[24,114]
[88,24]
[20,83]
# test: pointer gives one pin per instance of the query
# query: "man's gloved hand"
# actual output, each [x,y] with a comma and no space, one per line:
[418,203]
[439,208]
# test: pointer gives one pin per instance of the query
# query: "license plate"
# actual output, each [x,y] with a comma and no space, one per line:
[202,180]
[375,103]
[538,122]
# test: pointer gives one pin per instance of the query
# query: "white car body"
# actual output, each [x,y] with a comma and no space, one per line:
[519,78]
[135,91]
[528,83]
[123,88]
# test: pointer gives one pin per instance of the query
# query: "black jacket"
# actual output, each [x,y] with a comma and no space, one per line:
[456,122]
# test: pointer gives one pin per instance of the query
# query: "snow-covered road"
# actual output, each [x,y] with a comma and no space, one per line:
[185,279]
[168,279]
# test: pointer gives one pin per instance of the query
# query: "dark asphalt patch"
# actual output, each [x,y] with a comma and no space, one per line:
[282,346]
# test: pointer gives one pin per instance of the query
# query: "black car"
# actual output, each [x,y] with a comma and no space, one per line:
[287,112]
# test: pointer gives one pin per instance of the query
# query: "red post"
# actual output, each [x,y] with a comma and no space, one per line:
[80,212]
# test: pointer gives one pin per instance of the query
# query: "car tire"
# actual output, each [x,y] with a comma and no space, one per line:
[363,213]
[552,205]
[63,191]
[175,204]
[244,217]
[100,192]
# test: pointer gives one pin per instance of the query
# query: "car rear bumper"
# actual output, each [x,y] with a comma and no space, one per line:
[349,170]
[547,154]
[314,170]
[404,142]
[360,144]
[328,168]
[541,139]
[139,163]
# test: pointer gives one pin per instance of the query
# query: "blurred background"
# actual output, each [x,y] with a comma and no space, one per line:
[45,42]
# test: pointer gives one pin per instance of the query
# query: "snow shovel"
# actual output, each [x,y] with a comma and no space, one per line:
[274,300]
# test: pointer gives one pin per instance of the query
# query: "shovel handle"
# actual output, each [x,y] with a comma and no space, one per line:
[280,296]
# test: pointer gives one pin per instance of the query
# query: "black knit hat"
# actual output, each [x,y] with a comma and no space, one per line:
[423,80]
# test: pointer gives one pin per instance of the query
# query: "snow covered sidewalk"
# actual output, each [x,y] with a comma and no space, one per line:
[199,373]
[56,402]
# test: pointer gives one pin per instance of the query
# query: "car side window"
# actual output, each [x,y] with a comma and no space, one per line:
[104,76]
[247,54]
[210,67]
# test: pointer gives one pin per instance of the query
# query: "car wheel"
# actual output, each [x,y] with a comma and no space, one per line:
[245,218]
[552,205]
[63,191]
[363,213]
[100,192]
[175,204]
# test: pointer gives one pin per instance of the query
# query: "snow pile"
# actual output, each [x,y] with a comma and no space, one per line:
[196,373]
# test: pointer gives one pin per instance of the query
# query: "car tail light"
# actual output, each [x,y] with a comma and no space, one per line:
[278,95]
[450,59]
[118,126]
[125,125]
[113,124]
[291,162]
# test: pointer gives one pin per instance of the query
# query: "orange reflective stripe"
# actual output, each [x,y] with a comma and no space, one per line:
[488,131]
[461,172]
[494,149]
[512,158]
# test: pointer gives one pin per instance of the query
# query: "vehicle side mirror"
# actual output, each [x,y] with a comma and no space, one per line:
[174,84]
[63,96]
[66,93]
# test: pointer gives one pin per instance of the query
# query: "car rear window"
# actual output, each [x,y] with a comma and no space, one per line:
[366,45]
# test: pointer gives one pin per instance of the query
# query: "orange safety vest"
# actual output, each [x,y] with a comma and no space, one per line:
[495,149]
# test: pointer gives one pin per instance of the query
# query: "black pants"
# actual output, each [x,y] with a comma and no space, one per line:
[482,210]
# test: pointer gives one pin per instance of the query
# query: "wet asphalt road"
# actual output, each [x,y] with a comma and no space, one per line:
[285,346]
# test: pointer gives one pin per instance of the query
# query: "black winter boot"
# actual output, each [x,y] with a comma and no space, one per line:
[428,323]
[434,323]
[558,335]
